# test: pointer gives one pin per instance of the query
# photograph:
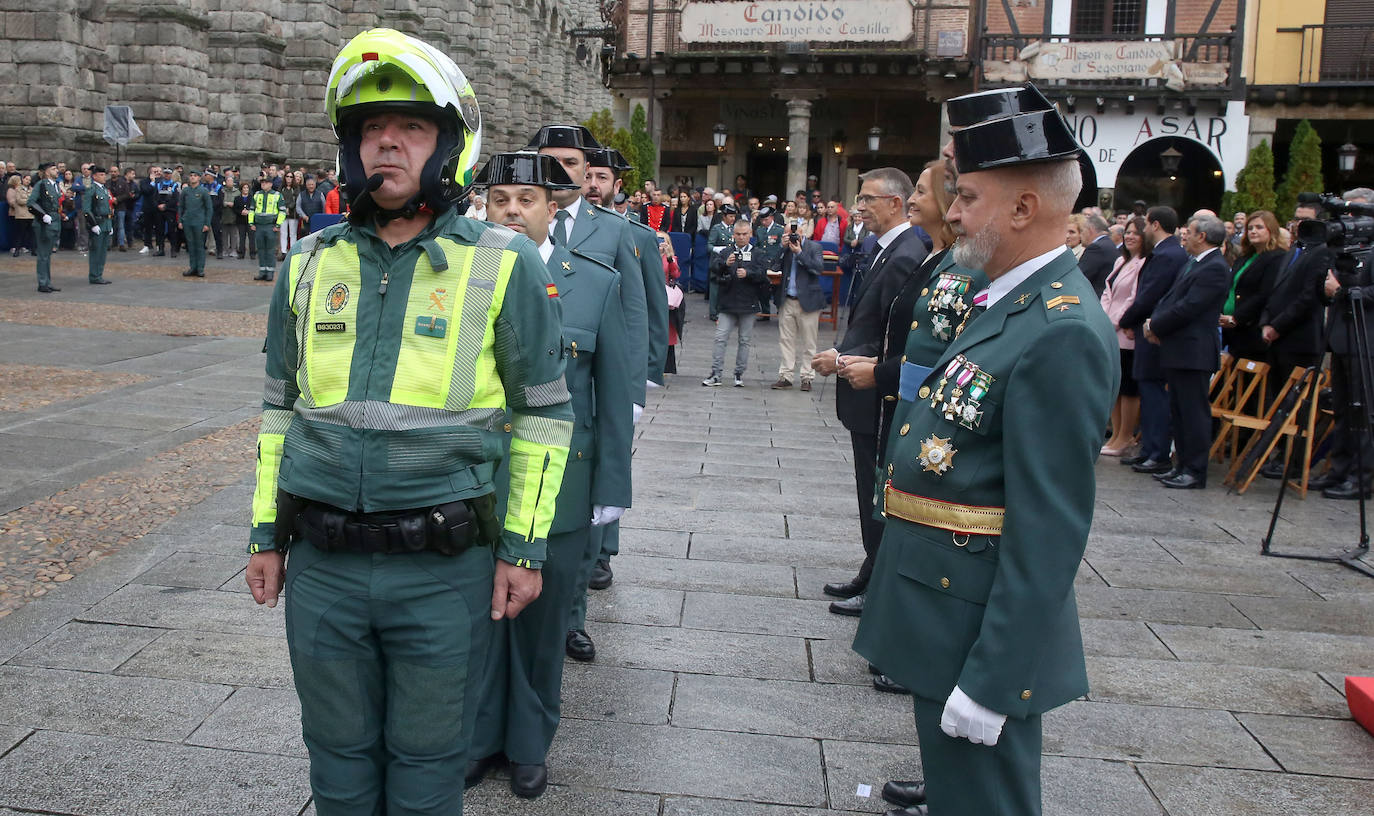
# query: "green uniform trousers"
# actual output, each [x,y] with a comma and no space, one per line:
[388,653]
[95,255]
[195,245]
[522,695]
[964,779]
[713,298]
[45,237]
[266,242]
[597,548]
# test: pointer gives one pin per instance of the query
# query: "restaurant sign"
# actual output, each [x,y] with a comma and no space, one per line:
[805,21]
[1104,61]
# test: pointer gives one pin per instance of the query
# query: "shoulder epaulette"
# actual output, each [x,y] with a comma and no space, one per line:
[1058,304]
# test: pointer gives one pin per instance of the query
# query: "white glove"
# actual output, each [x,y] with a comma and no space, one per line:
[95,230]
[47,219]
[603,515]
[639,412]
[650,384]
[965,718]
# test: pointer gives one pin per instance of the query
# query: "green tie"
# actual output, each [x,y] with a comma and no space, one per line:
[562,234]
[1188,267]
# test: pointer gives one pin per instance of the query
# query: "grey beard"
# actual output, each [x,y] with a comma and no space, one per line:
[974,251]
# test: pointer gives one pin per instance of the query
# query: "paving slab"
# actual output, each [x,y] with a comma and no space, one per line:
[11,735]
[1308,745]
[214,657]
[492,799]
[1161,606]
[691,806]
[1132,546]
[1355,617]
[181,608]
[835,661]
[1351,654]
[765,616]
[108,776]
[1258,580]
[791,709]
[706,521]
[851,764]
[1182,736]
[192,569]
[32,622]
[264,721]
[628,603]
[84,702]
[787,551]
[779,770]
[699,651]
[613,694]
[1209,685]
[1121,638]
[92,647]
[706,576]
[1094,787]
[660,543]
[1218,792]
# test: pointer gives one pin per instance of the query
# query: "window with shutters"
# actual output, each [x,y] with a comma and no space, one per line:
[1120,18]
[1347,44]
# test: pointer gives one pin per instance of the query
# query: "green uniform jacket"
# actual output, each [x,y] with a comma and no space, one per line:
[721,235]
[608,238]
[655,296]
[197,207]
[996,615]
[43,200]
[597,352]
[96,203]
[769,242]
[397,378]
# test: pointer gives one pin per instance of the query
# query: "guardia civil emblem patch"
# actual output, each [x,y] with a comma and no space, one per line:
[937,455]
[336,299]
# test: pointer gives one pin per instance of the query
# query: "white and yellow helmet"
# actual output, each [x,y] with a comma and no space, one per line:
[382,69]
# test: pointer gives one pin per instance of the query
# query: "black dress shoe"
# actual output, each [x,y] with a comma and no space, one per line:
[601,575]
[160,253]
[905,794]
[1273,470]
[528,781]
[872,669]
[1152,466]
[579,645]
[190,273]
[914,810]
[1168,474]
[1132,460]
[884,683]
[479,768]
[1348,490]
[1184,481]
[101,282]
[47,290]
[1324,481]
[846,590]
[853,607]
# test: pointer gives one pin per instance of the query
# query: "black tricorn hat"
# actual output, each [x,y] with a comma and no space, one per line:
[534,169]
[765,212]
[728,209]
[608,157]
[564,136]
[1026,138]
[971,109]
[95,168]
[620,198]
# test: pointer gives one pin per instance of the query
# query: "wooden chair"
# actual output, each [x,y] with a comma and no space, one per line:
[1239,395]
[1264,442]
[1223,373]
[1312,416]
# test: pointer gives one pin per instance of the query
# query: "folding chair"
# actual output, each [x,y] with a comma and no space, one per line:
[1291,399]
[1244,386]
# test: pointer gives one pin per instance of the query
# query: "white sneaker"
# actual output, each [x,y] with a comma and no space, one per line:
[143,251]
[712,381]
[739,382]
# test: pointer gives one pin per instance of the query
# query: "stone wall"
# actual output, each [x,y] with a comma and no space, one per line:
[238,82]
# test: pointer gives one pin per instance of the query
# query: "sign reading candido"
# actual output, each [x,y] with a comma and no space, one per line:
[804,21]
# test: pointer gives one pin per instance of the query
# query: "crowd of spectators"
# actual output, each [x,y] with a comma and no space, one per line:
[147,206]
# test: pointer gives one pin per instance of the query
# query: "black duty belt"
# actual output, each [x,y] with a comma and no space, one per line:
[448,529]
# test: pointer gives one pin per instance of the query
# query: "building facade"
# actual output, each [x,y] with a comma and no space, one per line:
[1153,89]
[1313,60]
[779,91]
[242,81]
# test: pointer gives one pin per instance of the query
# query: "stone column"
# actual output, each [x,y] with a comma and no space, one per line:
[1262,130]
[799,142]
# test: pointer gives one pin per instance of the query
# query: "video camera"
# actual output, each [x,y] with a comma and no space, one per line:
[1348,229]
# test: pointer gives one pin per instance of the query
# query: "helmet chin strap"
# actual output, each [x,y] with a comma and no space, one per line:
[366,207]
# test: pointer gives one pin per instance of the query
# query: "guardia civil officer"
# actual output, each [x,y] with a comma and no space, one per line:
[96,212]
[197,211]
[521,704]
[720,238]
[166,192]
[47,224]
[768,239]
[989,494]
[409,351]
[264,221]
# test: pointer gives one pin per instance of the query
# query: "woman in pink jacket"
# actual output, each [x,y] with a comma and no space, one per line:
[1116,298]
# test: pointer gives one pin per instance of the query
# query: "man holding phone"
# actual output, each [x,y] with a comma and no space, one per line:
[741,272]
[799,298]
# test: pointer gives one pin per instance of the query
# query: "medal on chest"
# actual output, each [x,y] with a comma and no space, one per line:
[937,455]
[947,303]
[963,403]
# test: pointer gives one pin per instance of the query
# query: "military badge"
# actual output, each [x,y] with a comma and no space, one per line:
[969,413]
[940,326]
[437,298]
[337,298]
[937,455]
[950,289]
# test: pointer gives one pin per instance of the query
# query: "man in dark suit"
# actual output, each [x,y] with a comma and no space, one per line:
[799,299]
[1156,276]
[1099,254]
[1184,327]
[1292,319]
[1352,453]
[897,254]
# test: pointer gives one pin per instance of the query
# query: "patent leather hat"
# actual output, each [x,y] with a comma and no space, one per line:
[533,169]
[1026,138]
[575,136]
[608,157]
[971,109]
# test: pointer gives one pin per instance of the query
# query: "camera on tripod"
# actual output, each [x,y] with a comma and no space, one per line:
[1348,228]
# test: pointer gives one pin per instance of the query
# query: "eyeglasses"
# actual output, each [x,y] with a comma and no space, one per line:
[866,199]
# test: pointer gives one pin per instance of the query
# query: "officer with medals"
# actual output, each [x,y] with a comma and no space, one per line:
[96,210]
[768,238]
[721,236]
[409,352]
[520,706]
[197,210]
[265,218]
[989,495]
[604,168]
[47,223]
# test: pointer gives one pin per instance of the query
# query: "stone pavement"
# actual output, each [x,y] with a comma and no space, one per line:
[147,682]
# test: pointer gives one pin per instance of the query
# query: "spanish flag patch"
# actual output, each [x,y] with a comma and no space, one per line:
[552,290]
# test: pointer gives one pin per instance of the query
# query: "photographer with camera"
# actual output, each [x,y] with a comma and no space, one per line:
[800,299]
[740,271]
